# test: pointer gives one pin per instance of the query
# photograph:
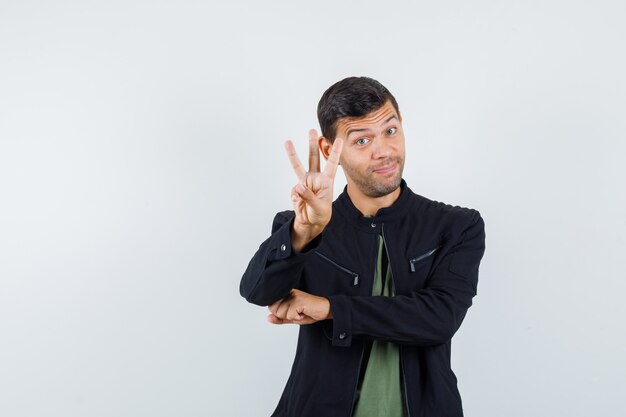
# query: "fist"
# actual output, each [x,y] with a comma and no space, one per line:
[299,308]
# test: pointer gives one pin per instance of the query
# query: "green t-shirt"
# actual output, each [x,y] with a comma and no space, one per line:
[380,390]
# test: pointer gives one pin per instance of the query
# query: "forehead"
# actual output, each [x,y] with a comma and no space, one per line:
[369,121]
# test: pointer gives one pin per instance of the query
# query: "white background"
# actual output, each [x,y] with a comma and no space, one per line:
[141,164]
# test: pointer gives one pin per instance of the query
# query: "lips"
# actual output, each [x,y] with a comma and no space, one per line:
[387,169]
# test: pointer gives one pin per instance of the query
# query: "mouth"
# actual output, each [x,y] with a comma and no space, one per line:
[386,170]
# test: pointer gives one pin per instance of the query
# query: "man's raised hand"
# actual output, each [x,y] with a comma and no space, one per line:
[312,197]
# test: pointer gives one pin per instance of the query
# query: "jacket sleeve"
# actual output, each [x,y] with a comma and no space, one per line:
[275,269]
[426,317]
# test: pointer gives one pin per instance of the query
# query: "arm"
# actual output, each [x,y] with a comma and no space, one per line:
[276,267]
[426,317]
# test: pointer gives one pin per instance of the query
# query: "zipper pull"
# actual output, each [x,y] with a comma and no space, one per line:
[412,265]
[356,280]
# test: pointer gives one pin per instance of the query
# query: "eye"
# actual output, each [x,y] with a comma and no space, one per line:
[391,130]
[362,141]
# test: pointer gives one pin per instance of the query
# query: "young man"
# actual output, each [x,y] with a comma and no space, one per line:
[378,280]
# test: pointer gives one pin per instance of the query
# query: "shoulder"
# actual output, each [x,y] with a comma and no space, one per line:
[454,216]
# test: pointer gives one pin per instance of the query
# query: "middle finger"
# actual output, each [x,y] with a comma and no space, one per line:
[314,152]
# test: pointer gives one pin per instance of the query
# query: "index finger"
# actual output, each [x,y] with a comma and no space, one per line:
[314,152]
[333,159]
[295,161]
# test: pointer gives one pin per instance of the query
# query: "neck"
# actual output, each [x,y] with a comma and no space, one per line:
[369,206]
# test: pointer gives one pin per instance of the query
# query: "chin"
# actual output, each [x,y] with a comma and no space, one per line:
[382,189]
[372,187]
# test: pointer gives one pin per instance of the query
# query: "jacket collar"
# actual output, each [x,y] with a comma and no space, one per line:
[396,211]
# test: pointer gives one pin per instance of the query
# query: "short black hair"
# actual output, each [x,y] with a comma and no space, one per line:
[351,97]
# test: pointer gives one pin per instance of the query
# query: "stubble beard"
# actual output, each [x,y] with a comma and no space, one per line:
[372,188]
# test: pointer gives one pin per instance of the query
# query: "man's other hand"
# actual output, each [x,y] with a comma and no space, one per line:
[299,308]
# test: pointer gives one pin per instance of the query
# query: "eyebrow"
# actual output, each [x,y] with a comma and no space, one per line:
[349,132]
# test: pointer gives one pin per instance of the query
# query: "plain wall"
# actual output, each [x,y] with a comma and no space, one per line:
[141,164]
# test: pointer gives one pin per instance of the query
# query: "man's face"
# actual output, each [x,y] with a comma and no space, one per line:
[373,150]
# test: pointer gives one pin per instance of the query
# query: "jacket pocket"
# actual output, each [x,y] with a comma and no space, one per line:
[353,275]
[414,261]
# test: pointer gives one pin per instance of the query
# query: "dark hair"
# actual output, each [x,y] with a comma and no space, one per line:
[351,97]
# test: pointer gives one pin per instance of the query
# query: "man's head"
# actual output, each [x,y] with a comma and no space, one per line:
[351,97]
[365,115]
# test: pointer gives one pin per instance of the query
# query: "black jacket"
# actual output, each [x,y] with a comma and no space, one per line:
[434,251]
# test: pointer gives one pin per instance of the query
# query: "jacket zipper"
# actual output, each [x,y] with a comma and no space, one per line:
[358,372]
[356,386]
[355,276]
[413,261]
[406,398]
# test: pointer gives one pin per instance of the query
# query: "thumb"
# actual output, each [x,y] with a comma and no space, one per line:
[274,320]
[309,197]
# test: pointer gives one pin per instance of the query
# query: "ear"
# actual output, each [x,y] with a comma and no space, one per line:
[325,147]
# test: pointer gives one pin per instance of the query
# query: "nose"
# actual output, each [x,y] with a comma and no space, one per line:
[382,148]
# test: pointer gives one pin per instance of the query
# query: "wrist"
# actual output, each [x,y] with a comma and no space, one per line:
[301,235]
[329,316]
